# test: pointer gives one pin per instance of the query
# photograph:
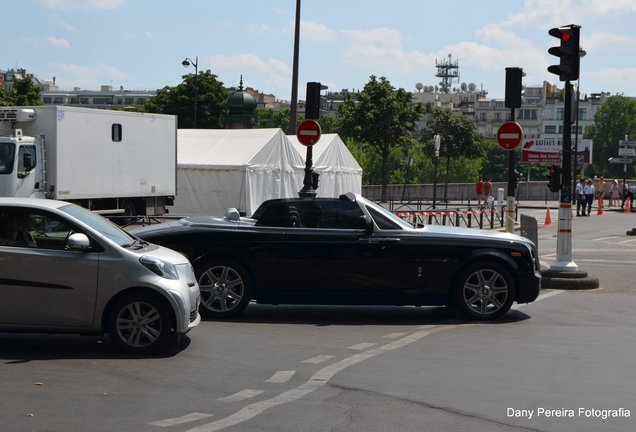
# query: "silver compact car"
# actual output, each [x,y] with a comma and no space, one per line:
[65,269]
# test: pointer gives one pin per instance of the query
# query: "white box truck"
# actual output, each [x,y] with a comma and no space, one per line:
[113,162]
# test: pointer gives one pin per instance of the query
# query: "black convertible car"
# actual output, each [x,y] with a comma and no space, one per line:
[348,250]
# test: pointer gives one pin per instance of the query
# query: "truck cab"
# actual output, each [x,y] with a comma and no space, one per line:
[20,170]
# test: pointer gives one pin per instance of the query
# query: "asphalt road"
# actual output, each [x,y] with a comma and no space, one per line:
[562,363]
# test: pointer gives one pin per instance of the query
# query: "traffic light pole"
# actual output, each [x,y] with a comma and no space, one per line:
[510,200]
[564,262]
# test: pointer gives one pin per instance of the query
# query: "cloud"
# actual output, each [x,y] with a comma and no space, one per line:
[382,48]
[601,40]
[312,31]
[267,74]
[86,77]
[58,42]
[81,4]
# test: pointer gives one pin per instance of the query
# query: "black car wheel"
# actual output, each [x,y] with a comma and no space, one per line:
[140,323]
[484,291]
[225,288]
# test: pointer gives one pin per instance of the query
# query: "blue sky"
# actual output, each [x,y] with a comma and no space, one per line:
[140,44]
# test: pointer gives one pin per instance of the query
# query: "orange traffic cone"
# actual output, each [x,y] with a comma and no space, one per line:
[548,221]
[599,211]
[627,207]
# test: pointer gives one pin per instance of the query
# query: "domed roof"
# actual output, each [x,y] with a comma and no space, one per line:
[240,100]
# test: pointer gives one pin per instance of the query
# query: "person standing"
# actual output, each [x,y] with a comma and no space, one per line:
[479,190]
[628,193]
[588,191]
[488,198]
[580,198]
[600,191]
[614,195]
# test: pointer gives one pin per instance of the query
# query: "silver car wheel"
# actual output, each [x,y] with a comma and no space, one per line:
[485,292]
[222,289]
[139,324]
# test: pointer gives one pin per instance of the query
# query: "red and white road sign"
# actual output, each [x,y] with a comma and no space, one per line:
[509,135]
[308,132]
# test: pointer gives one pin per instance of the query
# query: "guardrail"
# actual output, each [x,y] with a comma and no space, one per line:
[481,217]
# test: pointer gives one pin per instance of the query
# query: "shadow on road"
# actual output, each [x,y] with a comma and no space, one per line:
[361,315]
[17,348]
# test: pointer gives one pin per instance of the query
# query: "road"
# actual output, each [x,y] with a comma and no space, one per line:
[562,363]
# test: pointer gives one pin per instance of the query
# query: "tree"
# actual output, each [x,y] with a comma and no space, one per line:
[460,139]
[382,117]
[615,119]
[179,101]
[24,92]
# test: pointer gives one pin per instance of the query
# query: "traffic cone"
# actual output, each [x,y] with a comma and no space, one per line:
[548,221]
[599,211]
[627,207]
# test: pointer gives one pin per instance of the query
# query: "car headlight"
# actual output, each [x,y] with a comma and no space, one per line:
[159,267]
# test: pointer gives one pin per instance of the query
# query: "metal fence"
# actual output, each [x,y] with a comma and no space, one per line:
[478,217]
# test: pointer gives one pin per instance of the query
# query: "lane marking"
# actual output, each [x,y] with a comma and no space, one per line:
[627,241]
[318,380]
[322,377]
[281,377]
[362,346]
[242,395]
[318,359]
[393,335]
[181,420]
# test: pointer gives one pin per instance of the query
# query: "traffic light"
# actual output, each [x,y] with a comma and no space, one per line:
[554,178]
[312,103]
[513,87]
[567,51]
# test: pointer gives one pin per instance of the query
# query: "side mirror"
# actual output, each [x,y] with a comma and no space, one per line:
[27,161]
[366,223]
[78,242]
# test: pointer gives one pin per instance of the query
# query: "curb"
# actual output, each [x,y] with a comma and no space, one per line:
[577,280]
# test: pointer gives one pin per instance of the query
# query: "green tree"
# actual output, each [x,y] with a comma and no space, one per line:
[24,92]
[179,101]
[382,117]
[460,141]
[273,118]
[615,119]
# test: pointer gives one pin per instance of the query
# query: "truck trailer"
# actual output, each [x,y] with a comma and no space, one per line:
[111,162]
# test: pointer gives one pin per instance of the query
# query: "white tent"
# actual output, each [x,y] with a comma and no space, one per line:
[240,168]
[339,171]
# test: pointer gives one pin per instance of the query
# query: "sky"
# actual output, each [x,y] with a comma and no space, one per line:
[140,44]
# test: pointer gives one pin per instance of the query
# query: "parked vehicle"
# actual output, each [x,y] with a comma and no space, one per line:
[65,269]
[348,251]
[112,162]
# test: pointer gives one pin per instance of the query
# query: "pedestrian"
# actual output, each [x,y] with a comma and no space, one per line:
[628,192]
[614,195]
[588,191]
[479,190]
[488,192]
[580,198]
[600,191]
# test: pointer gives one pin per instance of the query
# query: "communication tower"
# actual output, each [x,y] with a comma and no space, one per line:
[448,71]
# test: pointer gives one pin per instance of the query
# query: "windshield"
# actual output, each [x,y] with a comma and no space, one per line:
[387,214]
[99,224]
[7,157]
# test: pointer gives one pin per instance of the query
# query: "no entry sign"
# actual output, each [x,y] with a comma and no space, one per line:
[308,132]
[509,135]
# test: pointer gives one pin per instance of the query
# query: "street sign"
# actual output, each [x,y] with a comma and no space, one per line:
[620,160]
[626,151]
[308,132]
[509,135]
[626,143]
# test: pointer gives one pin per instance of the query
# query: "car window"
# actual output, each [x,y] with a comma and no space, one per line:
[333,214]
[33,229]
[7,154]
[275,215]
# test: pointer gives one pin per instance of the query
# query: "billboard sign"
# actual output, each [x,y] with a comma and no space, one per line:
[549,151]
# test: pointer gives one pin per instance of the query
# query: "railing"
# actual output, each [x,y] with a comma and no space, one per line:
[477,217]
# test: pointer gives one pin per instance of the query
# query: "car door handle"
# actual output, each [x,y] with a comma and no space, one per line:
[385,240]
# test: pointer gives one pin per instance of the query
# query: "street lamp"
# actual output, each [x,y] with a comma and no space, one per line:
[437,141]
[187,63]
